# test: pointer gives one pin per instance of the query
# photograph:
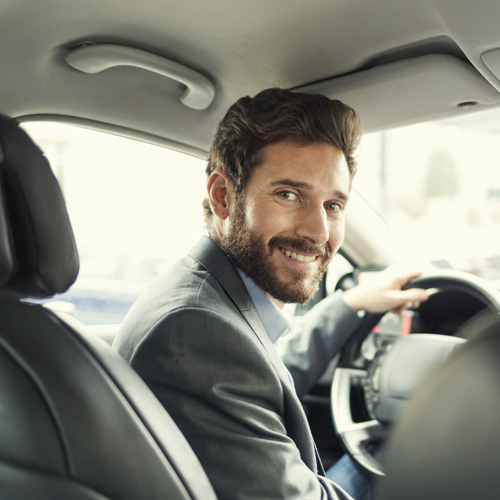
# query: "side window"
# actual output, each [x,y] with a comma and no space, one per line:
[338,267]
[135,209]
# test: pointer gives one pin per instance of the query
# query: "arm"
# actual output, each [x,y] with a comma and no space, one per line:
[315,339]
[219,386]
[321,333]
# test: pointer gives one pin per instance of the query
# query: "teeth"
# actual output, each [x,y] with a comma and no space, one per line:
[298,256]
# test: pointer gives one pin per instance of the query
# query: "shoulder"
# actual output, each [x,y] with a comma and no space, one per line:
[200,350]
[185,297]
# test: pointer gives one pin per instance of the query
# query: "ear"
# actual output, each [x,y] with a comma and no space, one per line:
[220,190]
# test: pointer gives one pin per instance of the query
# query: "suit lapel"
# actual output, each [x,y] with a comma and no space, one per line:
[216,261]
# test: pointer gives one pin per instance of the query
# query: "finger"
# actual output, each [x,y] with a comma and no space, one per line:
[399,310]
[404,273]
[415,295]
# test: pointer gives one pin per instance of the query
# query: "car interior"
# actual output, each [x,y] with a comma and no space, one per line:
[86,223]
[62,390]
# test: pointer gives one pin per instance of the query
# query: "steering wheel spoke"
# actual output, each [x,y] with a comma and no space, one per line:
[356,436]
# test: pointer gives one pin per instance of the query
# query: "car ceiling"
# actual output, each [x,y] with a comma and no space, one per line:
[395,61]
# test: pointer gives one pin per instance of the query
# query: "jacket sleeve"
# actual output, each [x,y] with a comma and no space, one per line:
[227,399]
[315,339]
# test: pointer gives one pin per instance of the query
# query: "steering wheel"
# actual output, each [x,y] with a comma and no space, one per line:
[382,371]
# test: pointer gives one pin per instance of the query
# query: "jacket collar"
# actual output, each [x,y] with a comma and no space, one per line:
[213,258]
[273,319]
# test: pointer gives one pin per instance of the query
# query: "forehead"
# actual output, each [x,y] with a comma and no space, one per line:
[317,164]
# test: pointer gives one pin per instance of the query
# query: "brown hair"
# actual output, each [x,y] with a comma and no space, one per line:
[276,115]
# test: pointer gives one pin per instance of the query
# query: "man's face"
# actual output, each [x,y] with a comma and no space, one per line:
[289,223]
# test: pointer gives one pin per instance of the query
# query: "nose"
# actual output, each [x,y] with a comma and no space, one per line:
[313,225]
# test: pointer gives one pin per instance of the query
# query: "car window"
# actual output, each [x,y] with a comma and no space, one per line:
[338,268]
[135,209]
[449,210]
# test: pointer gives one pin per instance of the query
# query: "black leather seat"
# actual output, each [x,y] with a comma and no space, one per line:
[75,421]
[447,443]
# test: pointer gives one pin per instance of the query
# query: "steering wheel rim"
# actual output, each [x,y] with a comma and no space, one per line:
[355,435]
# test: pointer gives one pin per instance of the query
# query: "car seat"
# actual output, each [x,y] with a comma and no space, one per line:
[447,442]
[75,420]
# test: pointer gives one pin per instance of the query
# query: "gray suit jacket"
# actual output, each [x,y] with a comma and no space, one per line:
[197,340]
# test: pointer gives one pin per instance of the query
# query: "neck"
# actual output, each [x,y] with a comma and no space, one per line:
[280,305]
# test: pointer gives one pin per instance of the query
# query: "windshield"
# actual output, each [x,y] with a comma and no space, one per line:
[438,186]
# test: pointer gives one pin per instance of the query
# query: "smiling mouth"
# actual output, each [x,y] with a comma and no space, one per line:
[297,256]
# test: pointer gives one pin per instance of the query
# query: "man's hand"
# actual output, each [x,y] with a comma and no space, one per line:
[379,292]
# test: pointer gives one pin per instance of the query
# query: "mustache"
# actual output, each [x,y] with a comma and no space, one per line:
[299,245]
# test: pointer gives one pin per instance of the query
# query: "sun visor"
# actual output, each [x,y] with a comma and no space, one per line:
[410,91]
[492,61]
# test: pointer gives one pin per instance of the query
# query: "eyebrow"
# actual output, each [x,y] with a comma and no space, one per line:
[306,186]
[290,182]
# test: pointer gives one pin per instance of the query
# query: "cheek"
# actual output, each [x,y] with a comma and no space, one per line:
[337,232]
[264,219]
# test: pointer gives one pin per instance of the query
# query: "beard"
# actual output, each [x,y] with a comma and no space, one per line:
[254,257]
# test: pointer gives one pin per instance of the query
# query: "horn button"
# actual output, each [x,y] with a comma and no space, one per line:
[399,367]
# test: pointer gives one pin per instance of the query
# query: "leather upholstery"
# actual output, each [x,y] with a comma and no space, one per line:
[75,420]
[38,253]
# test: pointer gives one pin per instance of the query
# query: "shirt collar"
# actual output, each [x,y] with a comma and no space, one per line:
[275,323]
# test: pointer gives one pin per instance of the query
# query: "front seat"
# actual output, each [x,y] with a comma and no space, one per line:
[447,442]
[75,421]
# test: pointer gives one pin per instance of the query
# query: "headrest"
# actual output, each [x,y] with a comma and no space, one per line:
[38,254]
[447,443]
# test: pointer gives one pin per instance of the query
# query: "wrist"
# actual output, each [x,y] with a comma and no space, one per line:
[353,300]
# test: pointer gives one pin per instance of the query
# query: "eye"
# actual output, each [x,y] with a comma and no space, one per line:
[288,195]
[333,207]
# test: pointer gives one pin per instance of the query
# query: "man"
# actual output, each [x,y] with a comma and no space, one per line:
[279,176]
